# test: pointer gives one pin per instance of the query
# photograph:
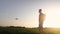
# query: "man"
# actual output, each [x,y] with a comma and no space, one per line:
[41,20]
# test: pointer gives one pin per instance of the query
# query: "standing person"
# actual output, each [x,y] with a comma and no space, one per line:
[41,20]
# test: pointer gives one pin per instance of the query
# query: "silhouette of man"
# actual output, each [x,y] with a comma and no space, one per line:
[41,20]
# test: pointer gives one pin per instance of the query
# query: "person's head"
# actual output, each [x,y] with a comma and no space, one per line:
[40,10]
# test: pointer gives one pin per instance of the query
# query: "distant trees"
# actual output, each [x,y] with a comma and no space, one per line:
[13,26]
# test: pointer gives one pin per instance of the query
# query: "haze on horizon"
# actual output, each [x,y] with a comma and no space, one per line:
[27,12]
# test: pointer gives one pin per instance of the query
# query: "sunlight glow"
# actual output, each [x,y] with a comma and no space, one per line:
[52,17]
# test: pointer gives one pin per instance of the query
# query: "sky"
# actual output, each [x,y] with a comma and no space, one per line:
[27,12]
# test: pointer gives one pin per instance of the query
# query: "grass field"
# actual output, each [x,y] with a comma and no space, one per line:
[22,30]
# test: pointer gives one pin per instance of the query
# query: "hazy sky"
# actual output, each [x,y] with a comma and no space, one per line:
[27,12]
